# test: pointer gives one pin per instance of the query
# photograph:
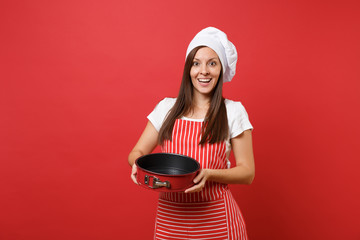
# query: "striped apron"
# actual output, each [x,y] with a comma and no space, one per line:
[209,214]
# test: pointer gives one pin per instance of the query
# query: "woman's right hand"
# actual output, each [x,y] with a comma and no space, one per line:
[145,145]
[134,173]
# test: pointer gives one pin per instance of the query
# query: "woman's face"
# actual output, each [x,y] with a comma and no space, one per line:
[205,71]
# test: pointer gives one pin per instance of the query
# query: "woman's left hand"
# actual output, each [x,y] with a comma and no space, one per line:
[199,181]
[134,173]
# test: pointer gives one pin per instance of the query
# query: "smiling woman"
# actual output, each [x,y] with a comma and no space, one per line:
[199,100]
[201,124]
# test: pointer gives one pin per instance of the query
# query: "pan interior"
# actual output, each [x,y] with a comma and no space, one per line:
[170,164]
[168,170]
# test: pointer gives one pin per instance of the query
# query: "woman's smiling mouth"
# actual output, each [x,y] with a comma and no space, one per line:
[204,80]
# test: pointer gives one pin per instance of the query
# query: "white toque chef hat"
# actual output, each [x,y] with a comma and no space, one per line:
[217,41]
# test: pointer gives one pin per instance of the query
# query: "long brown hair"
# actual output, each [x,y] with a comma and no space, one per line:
[215,128]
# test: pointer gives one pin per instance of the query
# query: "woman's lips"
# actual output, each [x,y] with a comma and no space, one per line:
[204,81]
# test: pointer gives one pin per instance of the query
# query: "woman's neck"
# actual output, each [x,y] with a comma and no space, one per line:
[199,108]
[201,100]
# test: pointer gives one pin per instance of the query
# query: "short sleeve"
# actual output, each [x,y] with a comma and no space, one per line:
[158,115]
[238,118]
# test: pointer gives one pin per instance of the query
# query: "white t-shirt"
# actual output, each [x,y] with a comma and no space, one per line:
[237,116]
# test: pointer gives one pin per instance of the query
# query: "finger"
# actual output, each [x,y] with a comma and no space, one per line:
[134,173]
[194,188]
[133,177]
[199,177]
[134,169]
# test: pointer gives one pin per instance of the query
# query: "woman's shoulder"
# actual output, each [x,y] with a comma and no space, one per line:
[238,118]
[157,116]
[164,106]
[168,100]
[166,103]
[233,105]
[235,109]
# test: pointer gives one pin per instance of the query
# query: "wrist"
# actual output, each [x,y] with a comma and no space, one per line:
[209,174]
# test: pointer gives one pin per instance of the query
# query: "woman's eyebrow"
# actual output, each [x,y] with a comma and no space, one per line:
[207,60]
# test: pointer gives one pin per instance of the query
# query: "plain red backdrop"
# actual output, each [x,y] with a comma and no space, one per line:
[78,79]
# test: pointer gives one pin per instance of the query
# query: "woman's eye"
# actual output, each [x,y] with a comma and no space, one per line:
[212,63]
[195,64]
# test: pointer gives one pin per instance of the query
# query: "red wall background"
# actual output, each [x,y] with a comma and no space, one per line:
[78,79]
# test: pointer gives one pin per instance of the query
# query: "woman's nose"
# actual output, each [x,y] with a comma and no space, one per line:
[204,70]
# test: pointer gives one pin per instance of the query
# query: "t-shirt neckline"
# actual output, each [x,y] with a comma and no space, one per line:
[192,119]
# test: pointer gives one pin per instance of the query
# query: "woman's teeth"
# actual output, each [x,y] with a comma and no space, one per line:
[204,80]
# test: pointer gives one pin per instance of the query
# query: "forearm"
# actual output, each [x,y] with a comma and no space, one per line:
[235,175]
[145,145]
[135,154]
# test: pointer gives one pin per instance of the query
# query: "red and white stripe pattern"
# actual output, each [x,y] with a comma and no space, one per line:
[185,140]
[210,214]
[204,220]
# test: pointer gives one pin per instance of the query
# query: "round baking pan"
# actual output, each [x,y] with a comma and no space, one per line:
[166,172]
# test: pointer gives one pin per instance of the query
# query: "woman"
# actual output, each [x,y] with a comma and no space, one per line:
[203,125]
